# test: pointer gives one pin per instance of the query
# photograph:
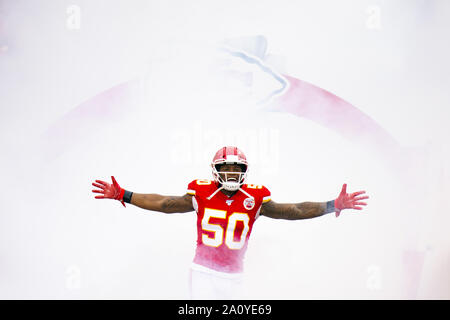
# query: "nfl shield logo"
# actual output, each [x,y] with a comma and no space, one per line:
[249,203]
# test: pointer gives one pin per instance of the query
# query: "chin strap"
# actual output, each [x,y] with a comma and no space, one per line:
[221,187]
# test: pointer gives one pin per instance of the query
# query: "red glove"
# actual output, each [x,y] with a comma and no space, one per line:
[349,201]
[109,191]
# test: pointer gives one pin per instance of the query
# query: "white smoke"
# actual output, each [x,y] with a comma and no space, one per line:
[57,241]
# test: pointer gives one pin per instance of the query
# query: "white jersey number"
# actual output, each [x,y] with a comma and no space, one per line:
[218,230]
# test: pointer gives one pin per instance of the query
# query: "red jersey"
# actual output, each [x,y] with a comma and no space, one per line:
[224,224]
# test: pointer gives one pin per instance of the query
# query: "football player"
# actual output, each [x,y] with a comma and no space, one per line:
[226,210]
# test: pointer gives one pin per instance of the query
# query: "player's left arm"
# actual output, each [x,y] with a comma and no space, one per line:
[293,211]
[308,210]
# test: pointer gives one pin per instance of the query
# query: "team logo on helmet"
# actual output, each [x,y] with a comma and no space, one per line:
[249,203]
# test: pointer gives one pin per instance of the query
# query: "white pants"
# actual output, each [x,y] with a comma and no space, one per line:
[207,284]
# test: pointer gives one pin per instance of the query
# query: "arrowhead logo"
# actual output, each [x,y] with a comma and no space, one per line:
[249,203]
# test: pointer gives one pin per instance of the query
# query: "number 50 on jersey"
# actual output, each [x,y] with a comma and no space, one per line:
[218,231]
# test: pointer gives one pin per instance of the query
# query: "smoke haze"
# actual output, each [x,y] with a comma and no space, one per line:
[91,89]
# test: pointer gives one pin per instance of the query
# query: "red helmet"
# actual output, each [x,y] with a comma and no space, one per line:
[229,155]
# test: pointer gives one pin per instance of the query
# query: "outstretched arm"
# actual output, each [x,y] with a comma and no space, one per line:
[296,211]
[154,202]
[166,204]
[307,210]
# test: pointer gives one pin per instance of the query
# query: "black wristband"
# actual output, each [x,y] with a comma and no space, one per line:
[127,196]
[330,207]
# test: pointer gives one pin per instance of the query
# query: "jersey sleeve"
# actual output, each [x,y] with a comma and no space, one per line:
[192,188]
[266,195]
[198,185]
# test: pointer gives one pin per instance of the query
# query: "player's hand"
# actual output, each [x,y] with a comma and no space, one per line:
[349,201]
[109,191]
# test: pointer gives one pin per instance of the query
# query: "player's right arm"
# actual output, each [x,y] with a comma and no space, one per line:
[150,201]
[166,204]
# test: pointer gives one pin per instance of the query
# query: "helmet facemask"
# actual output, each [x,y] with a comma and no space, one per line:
[231,181]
